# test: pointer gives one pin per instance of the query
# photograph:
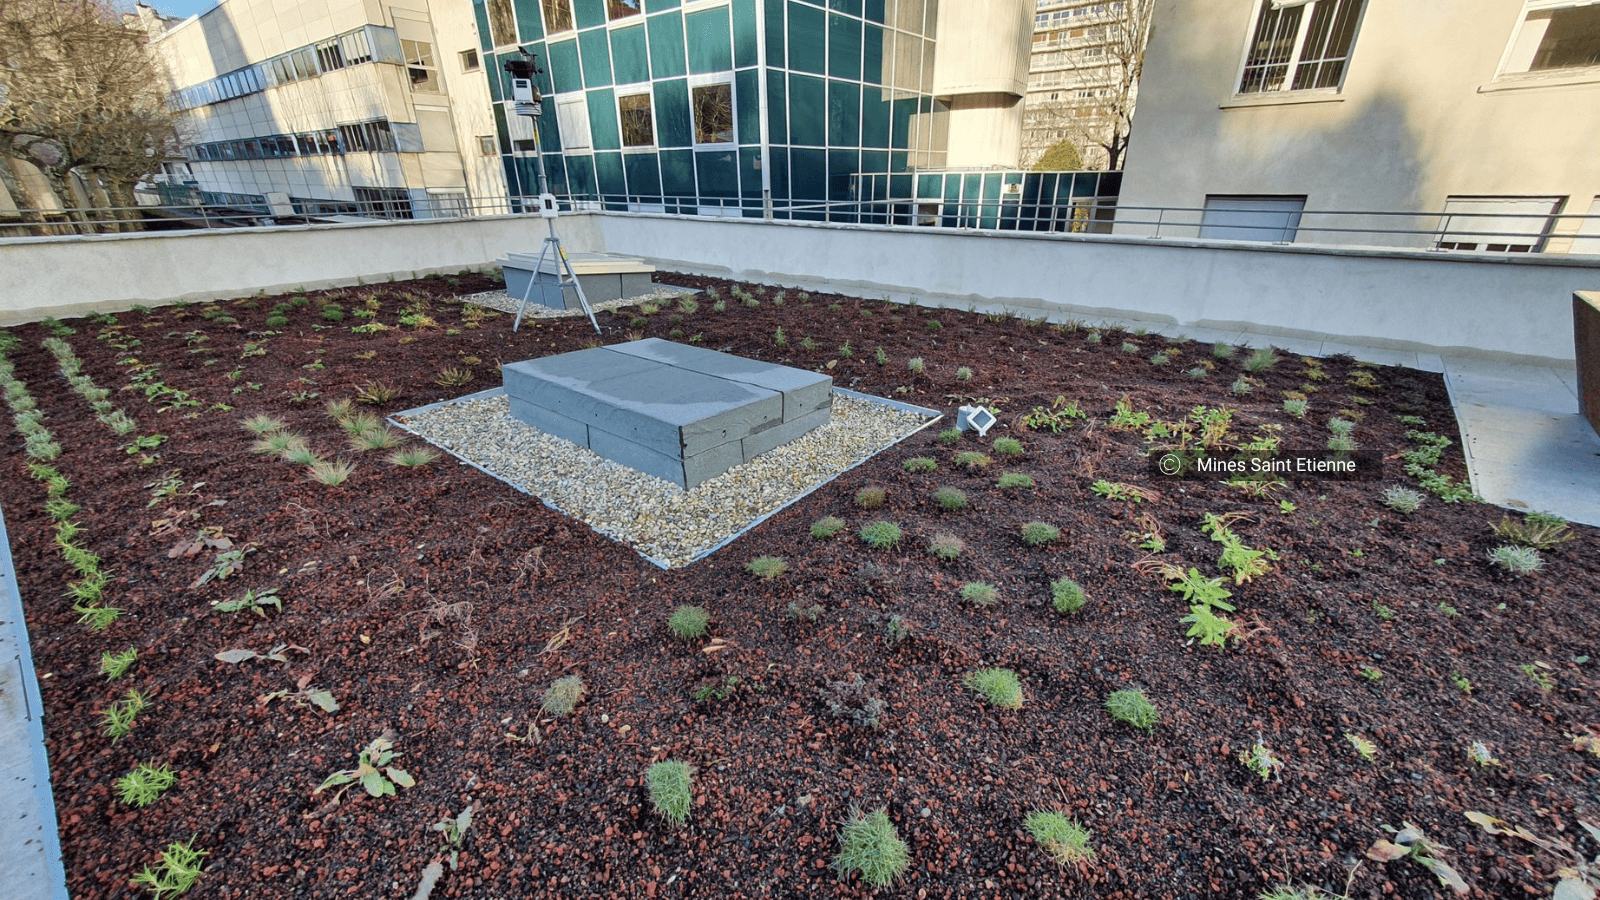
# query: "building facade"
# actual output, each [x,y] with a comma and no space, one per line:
[1460,126]
[334,107]
[1077,77]
[786,108]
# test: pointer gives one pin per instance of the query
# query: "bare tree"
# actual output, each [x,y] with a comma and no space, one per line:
[81,95]
[1099,125]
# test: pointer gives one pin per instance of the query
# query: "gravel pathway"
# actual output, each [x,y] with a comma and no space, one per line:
[502,301]
[667,525]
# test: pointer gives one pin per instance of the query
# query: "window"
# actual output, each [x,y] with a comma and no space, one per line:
[637,128]
[385,203]
[1251,218]
[1555,36]
[572,117]
[469,60]
[557,15]
[1299,45]
[329,55]
[713,114]
[502,23]
[1497,224]
[1588,239]
[486,145]
[372,137]
[621,9]
[419,65]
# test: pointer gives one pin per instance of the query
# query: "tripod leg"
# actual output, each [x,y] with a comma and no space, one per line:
[522,307]
[582,300]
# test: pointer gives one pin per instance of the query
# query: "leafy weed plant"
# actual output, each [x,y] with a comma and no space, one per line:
[144,784]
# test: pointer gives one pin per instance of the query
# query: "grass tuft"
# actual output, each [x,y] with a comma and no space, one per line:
[1134,708]
[869,845]
[1036,534]
[998,686]
[1064,839]
[827,527]
[882,535]
[767,567]
[563,696]
[670,782]
[1066,596]
[979,593]
[689,622]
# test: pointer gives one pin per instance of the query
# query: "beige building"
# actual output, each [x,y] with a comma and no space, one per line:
[1078,76]
[336,107]
[1467,125]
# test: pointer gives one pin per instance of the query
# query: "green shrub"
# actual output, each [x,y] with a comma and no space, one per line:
[1402,500]
[116,665]
[1064,839]
[826,527]
[1036,534]
[998,686]
[1007,446]
[946,546]
[179,870]
[1260,360]
[979,593]
[870,497]
[1066,596]
[881,535]
[144,784]
[971,460]
[670,783]
[1519,561]
[1134,708]
[333,312]
[689,621]
[950,436]
[1296,408]
[1014,481]
[950,498]
[563,696]
[869,844]
[767,567]
[919,464]
[963,373]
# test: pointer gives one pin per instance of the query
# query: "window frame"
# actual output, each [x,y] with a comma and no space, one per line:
[622,124]
[427,62]
[545,7]
[1537,77]
[1293,63]
[714,80]
[476,60]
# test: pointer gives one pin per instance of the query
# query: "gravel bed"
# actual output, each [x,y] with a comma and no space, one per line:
[667,525]
[502,301]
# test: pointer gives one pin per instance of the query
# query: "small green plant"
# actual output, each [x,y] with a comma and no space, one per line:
[950,498]
[1260,360]
[670,783]
[1093,336]
[881,535]
[1007,446]
[1364,748]
[1286,507]
[1057,418]
[144,784]
[979,593]
[1402,499]
[1461,682]
[1037,534]
[870,845]
[946,546]
[1222,351]
[963,373]
[179,870]
[767,567]
[971,460]
[880,356]
[1212,630]
[1064,839]
[779,339]
[413,457]
[1160,358]
[717,689]
[920,464]
[1198,372]
[1538,674]
[1241,386]
[1259,759]
[116,665]
[870,497]
[845,351]
[1015,481]
[827,527]
[1518,561]
[331,471]
[372,770]
[1296,408]
[950,436]
[689,622]
[253,600]
[1129,347]
[1372,674]
[117,721]
[1536,531]
[998,686]
[1124,418]
[1410,843]
[98,618]
[563,695]
[896,630]
[1066,596]
[1479,754]
[1133,708]
[854,700]
[807,611]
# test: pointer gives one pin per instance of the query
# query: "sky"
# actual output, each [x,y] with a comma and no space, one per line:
[180,9]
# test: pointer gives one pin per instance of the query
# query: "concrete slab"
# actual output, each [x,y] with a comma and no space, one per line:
[1516,387]
[683,414]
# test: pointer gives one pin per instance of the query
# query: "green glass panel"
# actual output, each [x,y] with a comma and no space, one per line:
[564,69]
[750,171]
[874,11]
[898,161]
[718,173]
[673,126]
[555,167]
[1084,184]
[952,187]
[874,161]
[777,110]
[779,180]
[808,38]
[542,79]
[529,26]
[744,32]
[628,57]
[899,187]
[596,55]
[971,186]
[589,13]
[841,165]
[747,101]
[549,131]
[844,114]
[501,133]
[677,172]
[481,13]
[774,37]
[991,186]
[659,5]
[710,42]
[853,7]
[872,55]
[580,175]
[495,76]
[900,112]
[808,174]
[512,177]
[874,118]
[844,47]
[608,173]
[603,120]
[666,46]
[808,112]
[644,174]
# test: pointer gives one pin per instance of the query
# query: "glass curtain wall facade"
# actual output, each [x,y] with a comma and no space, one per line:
[663,105]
